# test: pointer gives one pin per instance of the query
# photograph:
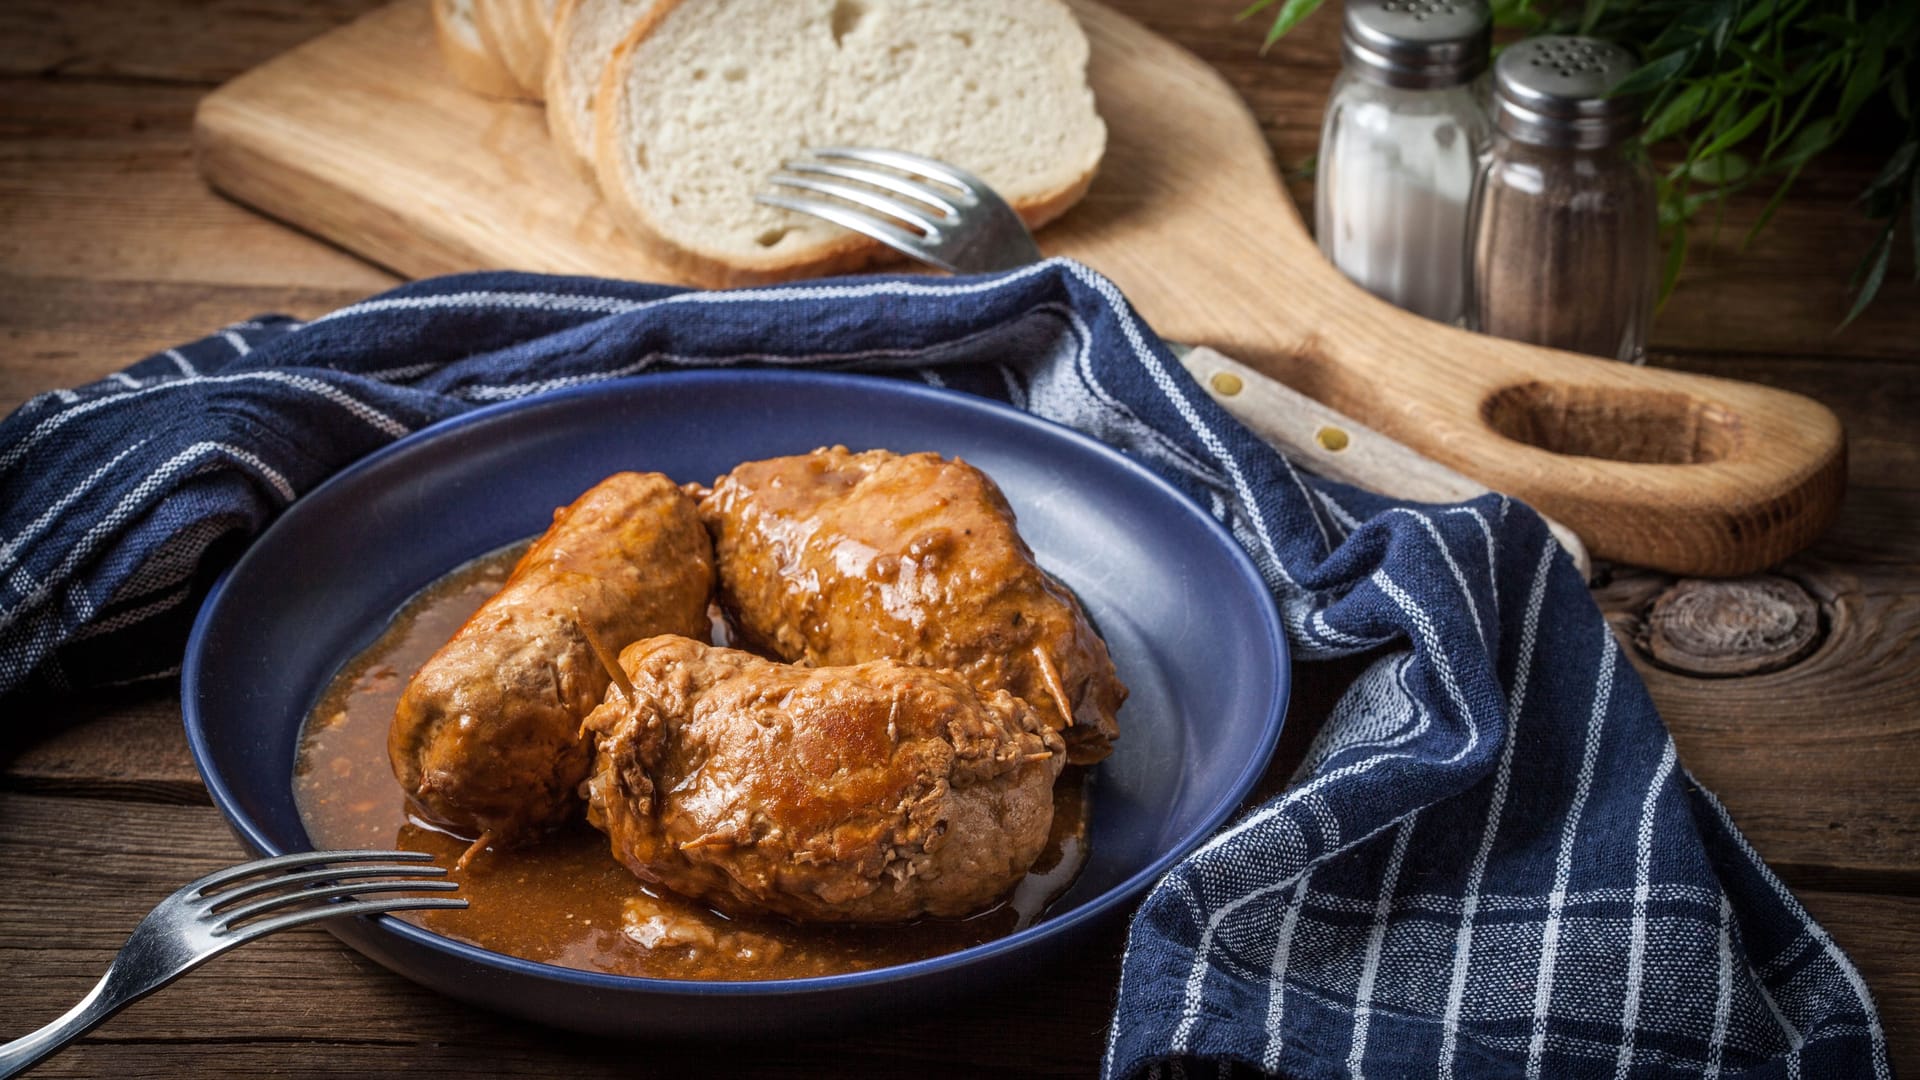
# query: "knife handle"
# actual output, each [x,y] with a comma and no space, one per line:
[1336,446]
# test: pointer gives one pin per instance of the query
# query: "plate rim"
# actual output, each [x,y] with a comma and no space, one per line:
[252,836]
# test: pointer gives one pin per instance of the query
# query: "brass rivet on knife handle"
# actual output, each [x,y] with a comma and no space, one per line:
[1224,384]
[1337,447]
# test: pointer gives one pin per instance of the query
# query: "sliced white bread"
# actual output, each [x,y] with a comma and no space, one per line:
[469,59]
[585,33]
[518,32]
[706,98]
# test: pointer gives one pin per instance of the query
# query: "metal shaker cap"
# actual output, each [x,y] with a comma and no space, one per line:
[1417,44]
[1552,91]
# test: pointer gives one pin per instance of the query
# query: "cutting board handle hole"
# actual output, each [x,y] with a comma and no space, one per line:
[1643,426]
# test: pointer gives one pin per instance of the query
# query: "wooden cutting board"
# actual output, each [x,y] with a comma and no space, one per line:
[360,137]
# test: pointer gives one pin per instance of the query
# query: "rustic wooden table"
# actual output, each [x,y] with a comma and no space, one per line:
[1796,697]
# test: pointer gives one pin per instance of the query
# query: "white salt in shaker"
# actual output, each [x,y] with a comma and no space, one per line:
[1398,152]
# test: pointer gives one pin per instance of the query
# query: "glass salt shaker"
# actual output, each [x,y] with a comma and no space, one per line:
[1403,134]
[1565,235]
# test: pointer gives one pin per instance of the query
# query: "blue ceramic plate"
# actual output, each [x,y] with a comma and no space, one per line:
[1193,632]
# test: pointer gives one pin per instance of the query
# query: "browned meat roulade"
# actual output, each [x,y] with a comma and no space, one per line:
[486,739]
[874,793]
[837,558]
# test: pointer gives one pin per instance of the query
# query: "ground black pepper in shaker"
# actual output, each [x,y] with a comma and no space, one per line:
[1564,246]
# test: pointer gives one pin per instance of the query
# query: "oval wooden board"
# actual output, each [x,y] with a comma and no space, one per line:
[360,137]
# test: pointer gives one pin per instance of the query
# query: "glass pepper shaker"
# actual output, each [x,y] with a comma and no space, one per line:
[1401,142]
[1565,227]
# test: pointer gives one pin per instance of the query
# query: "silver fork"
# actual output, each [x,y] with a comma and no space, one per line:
[205,919]
[957,223]
[926,209]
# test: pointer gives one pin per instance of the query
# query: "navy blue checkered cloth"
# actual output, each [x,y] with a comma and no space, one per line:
[1491,863]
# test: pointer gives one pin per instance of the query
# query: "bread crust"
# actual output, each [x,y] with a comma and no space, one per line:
[560,129]
[842,255]
[475,69]
[516,32]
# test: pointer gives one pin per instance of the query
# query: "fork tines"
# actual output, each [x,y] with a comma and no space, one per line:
[310,886]
[876,192]
[928,210]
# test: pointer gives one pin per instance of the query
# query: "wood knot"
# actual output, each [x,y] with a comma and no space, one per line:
[1737,626]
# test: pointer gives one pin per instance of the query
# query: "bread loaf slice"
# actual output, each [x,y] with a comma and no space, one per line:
[518,32]
[585,33]
[469,59]
[706,98]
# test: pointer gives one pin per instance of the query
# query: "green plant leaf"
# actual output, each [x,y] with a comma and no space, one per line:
[1290,15]
[1861,83]
[1791,128]
[1875,266]
[1773,204]
[1681,111]
[1882,197]
[1833,26]
[1720,170]
[1721,32]
[1649,76]
[1811,140]
[1676,258]
[1767,66]
[1756,15]
[1737,133]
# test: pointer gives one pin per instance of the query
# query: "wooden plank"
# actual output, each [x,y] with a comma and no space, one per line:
[125,744]
[300,1004]
[169,41]
[1820,761]
[97,184]
[67,331]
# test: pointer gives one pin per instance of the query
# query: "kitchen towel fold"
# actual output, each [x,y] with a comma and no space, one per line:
[1490,864]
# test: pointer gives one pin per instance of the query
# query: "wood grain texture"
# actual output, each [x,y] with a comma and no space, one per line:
[1820,762]
[1333,445]
[64,331]
[300,1004]
[351,137]
[1733,626]
[158,41]
[110,162]
[1825,753]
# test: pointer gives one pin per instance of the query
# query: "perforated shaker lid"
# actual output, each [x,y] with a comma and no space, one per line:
[1417,44]
[1552,91]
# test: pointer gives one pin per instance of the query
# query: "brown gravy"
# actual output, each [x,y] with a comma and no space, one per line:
[566,900]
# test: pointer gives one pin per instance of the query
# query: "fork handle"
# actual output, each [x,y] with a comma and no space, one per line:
[116,990]
[23,1053]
